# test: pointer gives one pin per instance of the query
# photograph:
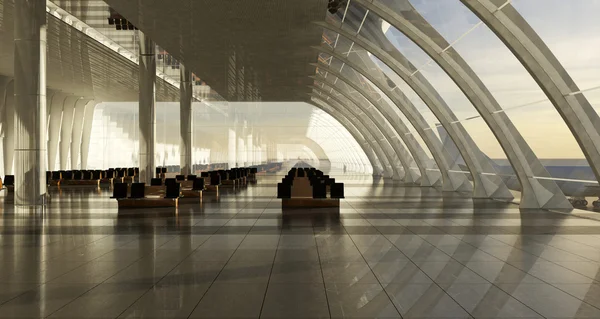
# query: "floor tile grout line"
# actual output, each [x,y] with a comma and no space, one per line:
[371,269]
[186,257]
[548,260]
[271,272]
[457,262]
[227,262]
[512,265]
[49,281]
[416,265]
[594,281]
[322,274]
[95,286]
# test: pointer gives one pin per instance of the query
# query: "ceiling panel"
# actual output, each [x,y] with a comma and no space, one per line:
[242,48]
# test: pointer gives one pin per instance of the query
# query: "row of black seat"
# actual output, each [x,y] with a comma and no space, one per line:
[216,177]
[318,181]
[91,174]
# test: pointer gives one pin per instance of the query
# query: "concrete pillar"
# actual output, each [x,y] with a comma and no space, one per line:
[249,151]
[232,149]
[30,102]
[185,120]
[147,107]
[8,128]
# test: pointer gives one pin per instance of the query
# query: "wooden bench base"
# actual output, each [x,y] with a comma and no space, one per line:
[147,202]
[83,182]
[188,193]
[155,190]
[309,202]
[212,188]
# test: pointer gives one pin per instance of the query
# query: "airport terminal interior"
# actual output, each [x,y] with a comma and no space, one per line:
[300,159]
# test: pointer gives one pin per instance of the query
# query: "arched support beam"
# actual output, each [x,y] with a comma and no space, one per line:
[86,133]
[66,130]
[54,121]
[360,133]
[325,105]
[384,151]
[384,111]
[452,181]
[381,124]
[538,188]
[360,140]
[314,146]
[77,132]
[486,183]
[577,112]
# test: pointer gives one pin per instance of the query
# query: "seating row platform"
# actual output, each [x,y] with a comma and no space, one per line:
[308,188]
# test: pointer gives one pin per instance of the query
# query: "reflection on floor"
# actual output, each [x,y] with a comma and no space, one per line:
[394,251]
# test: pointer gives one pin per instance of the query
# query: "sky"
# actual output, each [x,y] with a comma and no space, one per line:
[571,30]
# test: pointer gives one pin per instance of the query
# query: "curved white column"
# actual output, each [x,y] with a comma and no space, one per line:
[66,130]
[538,188]
[379,126]
[86,132]
[55,112]
[396,129]
[368,129]
[486,184]
[548,72]
[343,120]
[76,133]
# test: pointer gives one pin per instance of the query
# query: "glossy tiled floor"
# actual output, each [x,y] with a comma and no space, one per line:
[393,252]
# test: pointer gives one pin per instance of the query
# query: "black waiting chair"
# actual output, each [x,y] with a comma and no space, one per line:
[163,170]
[158,171]
[155,182]
[204,174]
[67,175]
[87,175]
[337,190]
[215,179]
[119,191]
[9,180]
[284,190]
[78,175]
[180,178]
[48,176]
[56,176]
[198,184]
[172,190]
[170,181]
[191,177]
[319,190]
[300,173]
[138,190]
[131,171]
[96,174]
